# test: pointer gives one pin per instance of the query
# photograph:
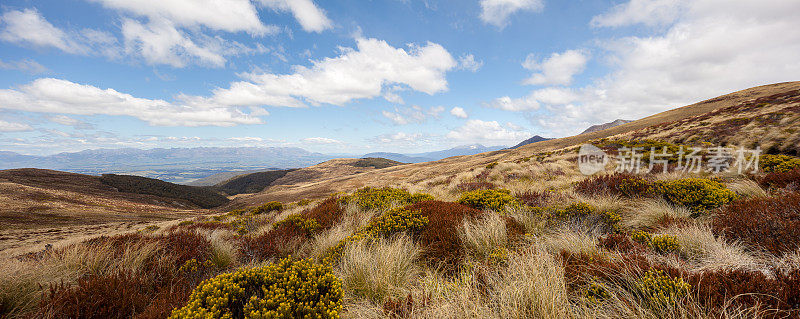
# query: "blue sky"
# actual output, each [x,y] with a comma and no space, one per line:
[363,76]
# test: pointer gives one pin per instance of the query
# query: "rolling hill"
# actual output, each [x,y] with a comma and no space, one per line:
[764,106]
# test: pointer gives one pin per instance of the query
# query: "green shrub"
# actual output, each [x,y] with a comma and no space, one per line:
[268,207]
[697,194]
[778,163]
[660,289]
[494,199]
[384,198]
[287,289]
[491,165]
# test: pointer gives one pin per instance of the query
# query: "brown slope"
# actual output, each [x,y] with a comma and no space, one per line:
[35,198]
[413,173]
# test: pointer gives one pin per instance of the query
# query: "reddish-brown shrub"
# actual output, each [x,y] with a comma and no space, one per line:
[117,296]
[622,243]
[790,179]
[279,242]
[327,213]
[777,297]
[615,184]
[402,308]
[440,240]
[534,198]
[772,223]
[471,186]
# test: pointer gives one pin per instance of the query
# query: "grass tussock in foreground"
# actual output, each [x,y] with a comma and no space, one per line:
[526,239]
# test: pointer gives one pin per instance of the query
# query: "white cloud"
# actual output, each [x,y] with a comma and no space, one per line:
[558,69]
[400,138]
[355,74]
[555,96]
[712,47]
[26,65]
[507,103]
[229,15]
[246,139]
[496,12]
[159,42]
[468,62]
[29,27]
[413,114]
[68,121]
[459,112]
[321,140]
[49,95]
[310,17]
[647,12]
[14,127]
[487,132]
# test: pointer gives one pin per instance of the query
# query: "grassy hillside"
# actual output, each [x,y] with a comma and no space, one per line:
[251,183]
[202,197]
[513,234]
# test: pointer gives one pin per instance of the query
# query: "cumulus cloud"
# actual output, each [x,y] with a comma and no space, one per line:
[230,15]
[29,27]
[459,112]
[310,17]
[355,74]
[558,69]
[159,42]
[50,95]
[28,66]
[68,121]
[647,12]
[487,132]
[468,62]
[321,140]
[14,127]
[400,138]
[413,114]
[703,50]
[496,12]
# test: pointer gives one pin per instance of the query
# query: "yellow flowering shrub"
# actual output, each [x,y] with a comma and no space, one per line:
[641,237]
[665,243]
[193,266]
[287,289]
[392,222]
[268,207]
[494,199]
[582,211]
[660,243]
[697,194]
[498,256]
[661,289]
[778,163]
[596,292]
[383,198]
[310,225]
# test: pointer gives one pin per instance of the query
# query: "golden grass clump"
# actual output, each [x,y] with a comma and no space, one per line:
[378,268]
[287,289]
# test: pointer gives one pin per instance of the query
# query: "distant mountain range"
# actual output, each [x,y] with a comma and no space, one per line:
[600,127]
[177,165]
[471,149]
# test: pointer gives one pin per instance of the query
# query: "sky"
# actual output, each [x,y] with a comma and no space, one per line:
[358,76]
